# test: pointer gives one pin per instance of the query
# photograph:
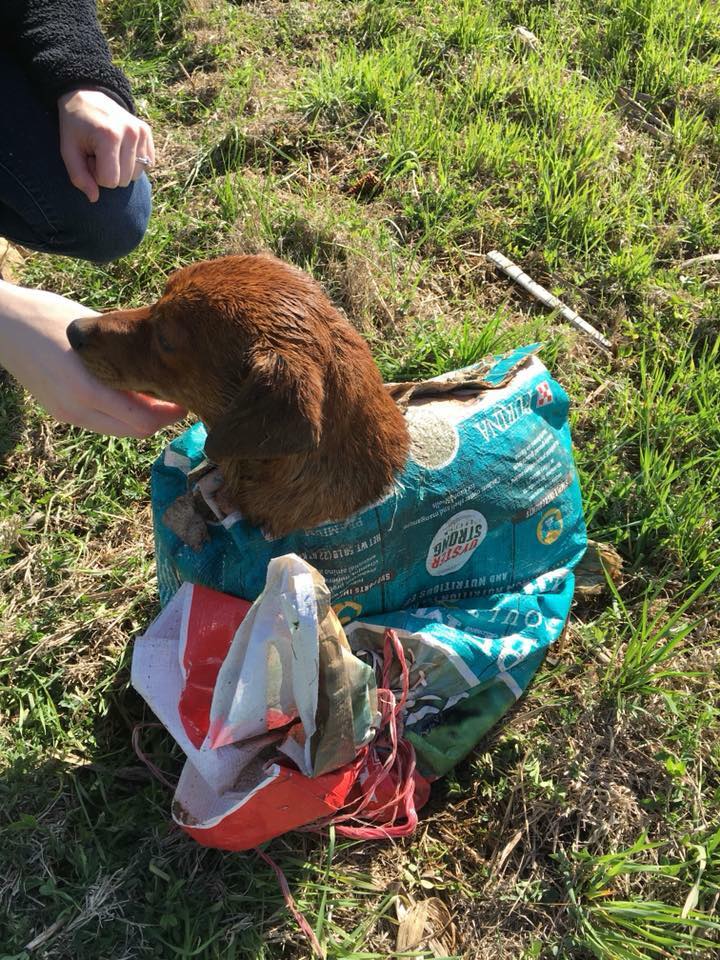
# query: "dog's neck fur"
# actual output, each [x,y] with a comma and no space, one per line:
[363,445]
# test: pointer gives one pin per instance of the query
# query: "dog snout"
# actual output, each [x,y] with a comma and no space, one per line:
[78,332]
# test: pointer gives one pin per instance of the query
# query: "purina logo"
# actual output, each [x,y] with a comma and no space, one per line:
[544,394]
[455,542]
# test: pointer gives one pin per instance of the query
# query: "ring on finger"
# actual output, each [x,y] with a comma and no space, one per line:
[144,161]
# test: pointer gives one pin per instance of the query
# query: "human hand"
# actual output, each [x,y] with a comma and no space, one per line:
[35,349]
[100,142]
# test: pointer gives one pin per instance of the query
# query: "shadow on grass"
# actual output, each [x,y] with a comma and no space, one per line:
[146,27]
[12,415]
[93,866]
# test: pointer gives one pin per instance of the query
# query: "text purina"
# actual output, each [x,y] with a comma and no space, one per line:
[504,417]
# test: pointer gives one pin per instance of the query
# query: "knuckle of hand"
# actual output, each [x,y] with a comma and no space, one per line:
[112,135]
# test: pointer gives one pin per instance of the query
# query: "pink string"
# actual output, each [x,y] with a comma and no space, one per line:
[155,770]
[292,906]
[400,760]
[399,764]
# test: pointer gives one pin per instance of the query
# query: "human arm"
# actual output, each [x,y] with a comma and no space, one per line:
[35,349]
[61,47]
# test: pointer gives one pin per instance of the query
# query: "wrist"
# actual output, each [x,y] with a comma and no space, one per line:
[67,96]
[70,97]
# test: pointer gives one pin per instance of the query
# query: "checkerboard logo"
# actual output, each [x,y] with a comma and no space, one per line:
[544,394]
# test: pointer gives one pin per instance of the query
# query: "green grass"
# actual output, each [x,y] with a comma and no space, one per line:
[385,146]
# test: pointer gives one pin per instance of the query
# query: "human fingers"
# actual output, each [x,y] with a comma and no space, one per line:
[139,416]
[94,410]
[77,164]
[149,143]
[132,420]
[100,422]
[86,402]
[107,145]
[145,152]
[126,156]
[161,411]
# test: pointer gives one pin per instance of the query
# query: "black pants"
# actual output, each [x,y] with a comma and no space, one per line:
[39,207]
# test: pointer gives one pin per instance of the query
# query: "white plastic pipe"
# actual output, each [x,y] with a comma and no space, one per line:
[544,296]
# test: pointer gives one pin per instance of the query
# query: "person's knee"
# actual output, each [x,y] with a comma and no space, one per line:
[123,216]
[114,226]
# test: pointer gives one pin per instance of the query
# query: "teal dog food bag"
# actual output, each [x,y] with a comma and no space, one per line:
[489,500]
[469,556]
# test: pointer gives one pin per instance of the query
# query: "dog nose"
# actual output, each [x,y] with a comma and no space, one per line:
[77,334]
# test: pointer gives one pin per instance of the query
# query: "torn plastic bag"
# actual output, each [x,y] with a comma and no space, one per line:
[287,723]
[271,708]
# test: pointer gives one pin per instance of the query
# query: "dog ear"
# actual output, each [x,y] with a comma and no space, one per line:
[277,411]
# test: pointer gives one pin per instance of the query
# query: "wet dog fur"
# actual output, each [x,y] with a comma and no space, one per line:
[297,415]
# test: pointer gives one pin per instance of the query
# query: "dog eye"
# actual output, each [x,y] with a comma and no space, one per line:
[163,342]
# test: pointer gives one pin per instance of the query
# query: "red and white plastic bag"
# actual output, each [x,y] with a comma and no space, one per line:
[282,725]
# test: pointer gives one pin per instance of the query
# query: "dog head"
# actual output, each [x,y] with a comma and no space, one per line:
[286,386]
[244,342]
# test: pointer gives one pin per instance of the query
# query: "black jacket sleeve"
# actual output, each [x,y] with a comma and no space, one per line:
[61,46]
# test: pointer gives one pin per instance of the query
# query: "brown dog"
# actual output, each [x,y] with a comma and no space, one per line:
[298,419]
